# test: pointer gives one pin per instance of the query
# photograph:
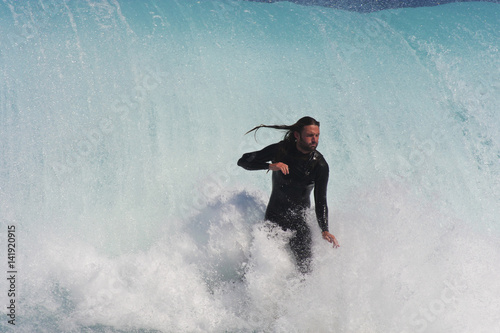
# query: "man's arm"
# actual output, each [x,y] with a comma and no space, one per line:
[258,160]
[321,205]
[320,190]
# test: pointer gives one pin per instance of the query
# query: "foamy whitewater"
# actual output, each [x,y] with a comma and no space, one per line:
[121,123]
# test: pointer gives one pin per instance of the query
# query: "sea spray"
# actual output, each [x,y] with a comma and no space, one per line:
[121,124]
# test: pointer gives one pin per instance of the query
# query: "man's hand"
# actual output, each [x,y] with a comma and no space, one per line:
[331,238]
[279,167]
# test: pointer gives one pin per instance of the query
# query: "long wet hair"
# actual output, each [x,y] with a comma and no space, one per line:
[297,127]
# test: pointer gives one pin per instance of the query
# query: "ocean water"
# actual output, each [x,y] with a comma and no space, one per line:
[121,123]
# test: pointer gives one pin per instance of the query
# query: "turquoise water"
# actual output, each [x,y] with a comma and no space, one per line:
[121,124]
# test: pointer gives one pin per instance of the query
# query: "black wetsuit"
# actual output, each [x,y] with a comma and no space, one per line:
[290,196]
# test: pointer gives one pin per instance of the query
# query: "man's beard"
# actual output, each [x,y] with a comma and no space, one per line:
[305,147]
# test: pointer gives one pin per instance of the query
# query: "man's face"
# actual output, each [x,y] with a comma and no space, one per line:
[308,139]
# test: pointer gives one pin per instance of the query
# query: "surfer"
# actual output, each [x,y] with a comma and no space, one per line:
[298,169]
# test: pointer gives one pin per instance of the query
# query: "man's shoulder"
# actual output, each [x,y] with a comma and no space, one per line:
[321,162]
[280,149]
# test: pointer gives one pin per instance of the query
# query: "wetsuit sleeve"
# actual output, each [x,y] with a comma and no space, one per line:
[258,160]
[320,200]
